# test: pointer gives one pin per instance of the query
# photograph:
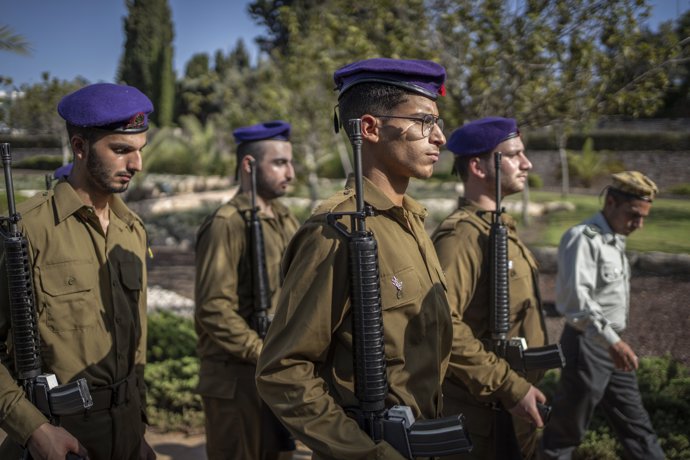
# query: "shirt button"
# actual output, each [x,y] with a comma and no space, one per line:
[71,280]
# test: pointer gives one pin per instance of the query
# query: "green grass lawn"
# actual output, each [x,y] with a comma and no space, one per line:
[667,229]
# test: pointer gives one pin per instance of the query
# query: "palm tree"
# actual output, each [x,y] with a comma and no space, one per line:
[12,42]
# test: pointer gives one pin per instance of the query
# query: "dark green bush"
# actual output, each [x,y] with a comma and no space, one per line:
[173,404]
[665,388]
[679,189]
[32,141]
[42,162]
[614,140]
[535,181]
[170,337]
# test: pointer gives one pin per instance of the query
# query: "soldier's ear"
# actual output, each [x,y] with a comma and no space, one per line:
[370,128]
[79,146]
[246,164]
[477,167]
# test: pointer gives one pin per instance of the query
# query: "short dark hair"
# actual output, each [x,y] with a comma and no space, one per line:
[89,134]
[372,98]
[461,165]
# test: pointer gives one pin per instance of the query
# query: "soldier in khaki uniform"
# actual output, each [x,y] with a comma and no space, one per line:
[227,345]
[87,251]
[305,372]
[462,243]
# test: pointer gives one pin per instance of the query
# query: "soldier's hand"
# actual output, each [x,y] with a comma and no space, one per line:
[624,358]
[527,407]
[49,442]
[146,452]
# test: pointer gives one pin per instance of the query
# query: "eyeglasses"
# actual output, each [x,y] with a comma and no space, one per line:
[428,121]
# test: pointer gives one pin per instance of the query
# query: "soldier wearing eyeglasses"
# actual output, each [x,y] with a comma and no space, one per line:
[305,372]
[462,244]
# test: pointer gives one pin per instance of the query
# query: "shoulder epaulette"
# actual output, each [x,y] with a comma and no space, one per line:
[591,230]
[35,201]
[227,210]
[334,202]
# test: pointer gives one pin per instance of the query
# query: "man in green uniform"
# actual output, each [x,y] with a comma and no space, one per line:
[462,244]
[227,345]
[87,252]
[305,372]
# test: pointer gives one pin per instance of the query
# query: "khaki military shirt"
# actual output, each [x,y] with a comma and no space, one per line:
[593,283]
[224,295]
[462,242]
[90,297]
[305,372]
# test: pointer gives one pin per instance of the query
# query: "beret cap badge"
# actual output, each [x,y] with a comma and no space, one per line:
[137,121]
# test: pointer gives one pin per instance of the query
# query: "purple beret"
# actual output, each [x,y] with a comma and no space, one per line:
[107,106]
[421,77]
[63,171]
[278,130]
[482,136]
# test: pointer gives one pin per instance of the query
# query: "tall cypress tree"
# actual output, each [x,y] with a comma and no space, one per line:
[147,61]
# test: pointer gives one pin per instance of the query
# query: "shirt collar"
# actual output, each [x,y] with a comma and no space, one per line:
[606,232]
[67,203]
[374,196]
[484,215]
[244,203]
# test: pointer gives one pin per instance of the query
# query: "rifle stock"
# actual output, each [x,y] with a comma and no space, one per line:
[395,425]
[41,389]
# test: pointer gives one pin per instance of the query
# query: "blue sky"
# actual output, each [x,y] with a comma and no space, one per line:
[71,38]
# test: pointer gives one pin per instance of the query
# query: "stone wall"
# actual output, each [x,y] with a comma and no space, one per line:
[665,168]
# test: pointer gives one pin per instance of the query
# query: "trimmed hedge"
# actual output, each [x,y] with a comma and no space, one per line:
[32,141]
[614,140]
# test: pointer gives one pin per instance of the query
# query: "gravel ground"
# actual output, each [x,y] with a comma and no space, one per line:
[659,310]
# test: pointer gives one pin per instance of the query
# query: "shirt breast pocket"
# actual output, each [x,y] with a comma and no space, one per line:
[70,295]
[400,288]
[611,273]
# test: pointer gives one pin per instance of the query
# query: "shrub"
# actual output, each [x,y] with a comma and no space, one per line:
[170,337]
[42,162]
[535,181]
[588,165]
[173,404]
[665,388]
[679,189]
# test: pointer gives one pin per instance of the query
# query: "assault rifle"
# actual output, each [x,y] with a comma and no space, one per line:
[396,425]
[262,292]
[41,389]
[259,320]
[513,350]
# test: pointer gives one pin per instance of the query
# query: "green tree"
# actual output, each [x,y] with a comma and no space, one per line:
[308,40]
[36,111]
[559,64]
[147,61]
[677,99]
